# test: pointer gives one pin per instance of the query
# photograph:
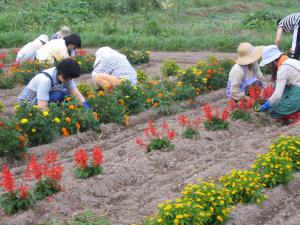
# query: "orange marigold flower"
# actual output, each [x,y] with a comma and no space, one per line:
[155,104]
[101,93]
[72,107]
[148,100]
[77,125]
[68,119]
[68,99]
[96,116]
[160,95]
[22,139]
[65,132]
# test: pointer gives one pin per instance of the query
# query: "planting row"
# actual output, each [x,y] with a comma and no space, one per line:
[12,73]
[210,202]
[110,105]
[45,177]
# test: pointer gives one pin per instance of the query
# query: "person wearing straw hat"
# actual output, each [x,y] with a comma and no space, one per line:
[64,32]
[111,67]
[30,49]
[245,72]
[285,101]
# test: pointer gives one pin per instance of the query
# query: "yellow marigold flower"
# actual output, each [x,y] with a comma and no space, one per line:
[159,220]
[33,130]
[220,218]
[179,216]
[204,79]
[127,96]
[134,87]
[24,121]
[77,125]
[179,84]
[79,62]
[35,107]
[222,202]
[258,201]
[45,113]
[121,101]
[101,93]
[17,106]
[126,120]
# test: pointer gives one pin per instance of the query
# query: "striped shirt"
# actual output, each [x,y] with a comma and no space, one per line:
[289,22]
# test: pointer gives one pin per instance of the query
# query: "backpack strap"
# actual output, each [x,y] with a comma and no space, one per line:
[48,75]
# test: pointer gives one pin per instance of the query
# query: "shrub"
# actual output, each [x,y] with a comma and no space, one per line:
[260,19]
[136,57]
[12,142]
[239,114]
[36,124]
[141,76]
[86,61]
[85,89]
[105,104]
[130,97]
[170,68]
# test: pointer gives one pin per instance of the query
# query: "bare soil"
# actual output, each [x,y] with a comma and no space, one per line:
[134,182]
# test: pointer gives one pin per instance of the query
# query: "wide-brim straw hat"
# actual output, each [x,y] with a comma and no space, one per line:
[269,54]
[248,54]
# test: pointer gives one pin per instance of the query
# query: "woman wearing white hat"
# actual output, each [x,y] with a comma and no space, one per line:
[30,49]
[285,101]
[245,72]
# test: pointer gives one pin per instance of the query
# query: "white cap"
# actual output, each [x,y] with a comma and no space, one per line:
[269,54]
[43,38]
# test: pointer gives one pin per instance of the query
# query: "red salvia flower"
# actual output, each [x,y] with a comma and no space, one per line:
[2,56]
[183,120]
[1,65]
[197,121]
[207,112]
[249,103]
[255,92]
[165,126]
[97,156]
[23,192]
[54,173]
[231,104]
[81,158]
[8,180]
[171,134]
[241,105]
[151,128]
[50,157]
[268,91]
[147,134]
[225,115]
[34,169]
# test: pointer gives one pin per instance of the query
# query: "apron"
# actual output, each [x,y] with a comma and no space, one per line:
[245,83]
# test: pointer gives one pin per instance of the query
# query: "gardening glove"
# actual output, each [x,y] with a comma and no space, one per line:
[265,106]
[86,105]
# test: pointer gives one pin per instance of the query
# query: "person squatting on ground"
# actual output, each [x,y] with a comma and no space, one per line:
[111,67]
[53,85]
[30,49]
[64,32]
[59,49]
[245,72]
[285,101]
[290,24]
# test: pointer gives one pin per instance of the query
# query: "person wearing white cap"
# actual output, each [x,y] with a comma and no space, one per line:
[285,100]
[245,72]
[111,67]
[64,32]
[30,49]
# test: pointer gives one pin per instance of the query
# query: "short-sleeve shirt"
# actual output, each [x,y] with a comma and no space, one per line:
[54,49]
[289,22]
[113,63]
[42,86]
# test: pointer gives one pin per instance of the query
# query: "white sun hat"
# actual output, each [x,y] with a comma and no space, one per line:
[44,38]
[269,54]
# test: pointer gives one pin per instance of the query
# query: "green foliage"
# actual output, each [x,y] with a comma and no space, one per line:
[239,114]
[11,202]
[136,57]
[36,124]
[170,68]
[189,133]
[86,62]
[216,124]
[141,76]
[85,89]
[45,188]
[130,96]
[160,144]
[12,142]
[88,171]
[260,20]
[107,107]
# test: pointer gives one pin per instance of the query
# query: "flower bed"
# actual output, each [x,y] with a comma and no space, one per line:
[211,202]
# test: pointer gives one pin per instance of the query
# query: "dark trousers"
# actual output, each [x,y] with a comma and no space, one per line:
[296,54]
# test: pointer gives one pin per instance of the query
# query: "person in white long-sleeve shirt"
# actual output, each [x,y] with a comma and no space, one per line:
[285,100]
[29,50]
[245,72]
[59,49]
